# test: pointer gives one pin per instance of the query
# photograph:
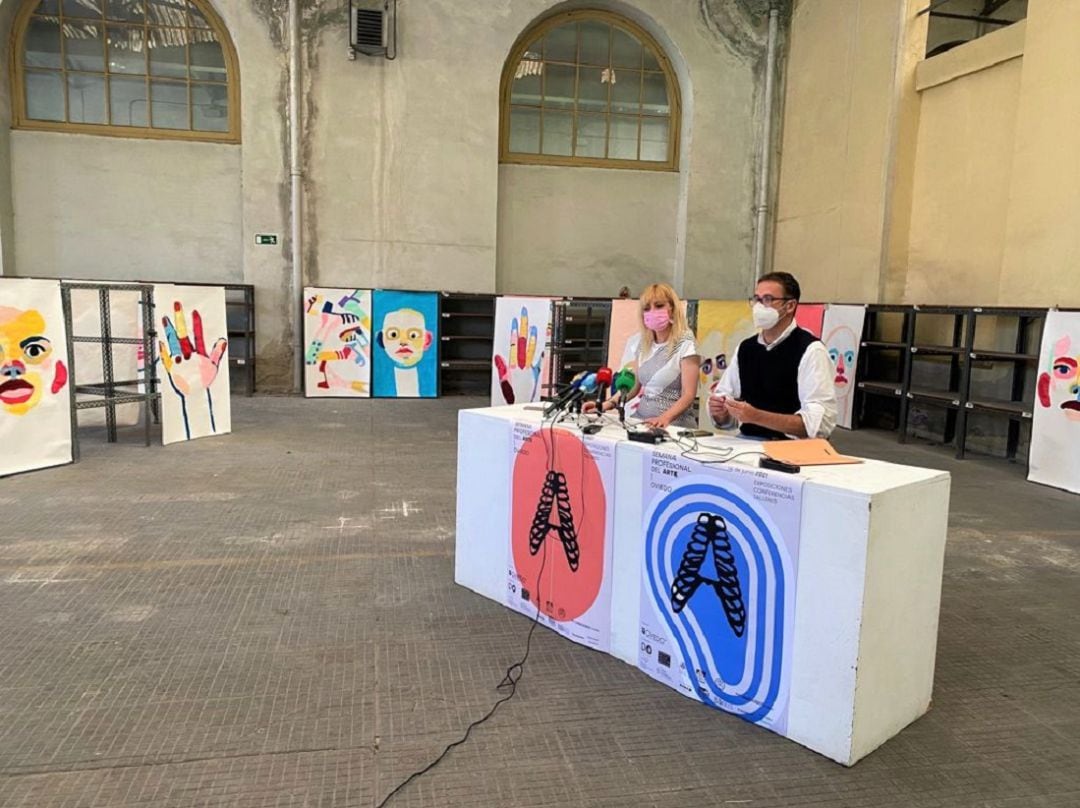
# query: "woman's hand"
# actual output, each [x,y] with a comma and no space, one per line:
[588,406]
[661,421]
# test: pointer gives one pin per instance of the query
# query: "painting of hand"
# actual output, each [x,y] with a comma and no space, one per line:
[190,367]
[519,371]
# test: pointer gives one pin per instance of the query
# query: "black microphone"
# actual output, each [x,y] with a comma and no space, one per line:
[567,396]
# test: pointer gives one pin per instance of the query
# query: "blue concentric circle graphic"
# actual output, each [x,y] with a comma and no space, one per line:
[743,674]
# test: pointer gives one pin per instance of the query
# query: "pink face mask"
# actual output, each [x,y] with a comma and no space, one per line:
[657,319]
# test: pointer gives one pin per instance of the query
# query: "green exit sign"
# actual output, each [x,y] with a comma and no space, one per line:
[265,239]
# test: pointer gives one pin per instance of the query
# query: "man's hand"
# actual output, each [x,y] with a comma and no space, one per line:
[718,409]
[745,412]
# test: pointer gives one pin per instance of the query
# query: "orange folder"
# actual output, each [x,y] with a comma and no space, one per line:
[810,452]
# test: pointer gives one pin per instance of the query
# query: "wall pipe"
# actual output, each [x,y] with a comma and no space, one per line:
[761,209]
[296,194]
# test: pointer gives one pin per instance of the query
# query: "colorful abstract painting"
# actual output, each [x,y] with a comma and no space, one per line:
[405,353]
[721,326]
[811,316]
[337,343]
[1055,430]
[193,349]
[718,585]
[522,335]
[560,554]
[35,397]
[842,332]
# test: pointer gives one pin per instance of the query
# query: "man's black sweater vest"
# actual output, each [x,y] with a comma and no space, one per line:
[769,380]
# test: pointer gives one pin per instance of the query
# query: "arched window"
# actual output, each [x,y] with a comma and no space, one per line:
[589,88]
[137,68]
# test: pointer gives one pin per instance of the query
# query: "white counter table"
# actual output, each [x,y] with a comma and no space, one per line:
[849,648]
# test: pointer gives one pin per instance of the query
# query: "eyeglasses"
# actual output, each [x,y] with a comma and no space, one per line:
[767,300]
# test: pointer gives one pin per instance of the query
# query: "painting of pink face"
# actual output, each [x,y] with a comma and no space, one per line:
[842,346]
[1059,387]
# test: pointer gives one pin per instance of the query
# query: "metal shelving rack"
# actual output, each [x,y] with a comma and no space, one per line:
[111,392]
[467,342]
[954,352]
[879,349]
[241,299]
[579,338]
[1022,360]
[964,353]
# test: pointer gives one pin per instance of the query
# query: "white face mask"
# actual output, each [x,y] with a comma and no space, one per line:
[765,317]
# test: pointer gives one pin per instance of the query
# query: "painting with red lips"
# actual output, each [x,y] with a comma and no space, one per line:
[560,554]
[842,328]
[405,344]
[35,393]
[1055,431]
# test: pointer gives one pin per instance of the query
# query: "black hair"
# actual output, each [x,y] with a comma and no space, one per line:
[785,279]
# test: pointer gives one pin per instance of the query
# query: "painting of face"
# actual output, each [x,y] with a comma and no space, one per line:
[843,327]
[1055,418]
[842,350]
[27,365]
[404,337]
[35,399]
[1059,386]
[405,344]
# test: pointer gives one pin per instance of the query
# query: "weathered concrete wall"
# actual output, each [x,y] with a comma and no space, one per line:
[7,215]
[1042,241]
[401,177]
[586,229]
[839,114]
[155,210]
[966,140]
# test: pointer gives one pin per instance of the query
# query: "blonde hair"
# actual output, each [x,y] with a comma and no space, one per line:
[679,325]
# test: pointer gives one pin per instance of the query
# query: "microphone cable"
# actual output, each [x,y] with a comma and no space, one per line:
[514,672]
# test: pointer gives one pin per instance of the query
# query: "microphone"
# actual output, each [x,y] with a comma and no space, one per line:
[624,384]
[567,395]
[587,388]
[603,381]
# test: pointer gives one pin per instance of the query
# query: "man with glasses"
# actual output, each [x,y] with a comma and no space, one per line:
[779,383]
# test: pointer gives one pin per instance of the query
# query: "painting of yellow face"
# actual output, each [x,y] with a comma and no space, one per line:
[405,337]
[27,364]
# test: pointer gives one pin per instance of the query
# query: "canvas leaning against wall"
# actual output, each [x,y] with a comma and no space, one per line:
[522,335]
[810,317]
[721,326]
[35,398]
[193,349]
[1055,429]
[842,332]
[337,343]
[405,352]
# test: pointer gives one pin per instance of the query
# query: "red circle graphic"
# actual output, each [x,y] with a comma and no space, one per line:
[566,593]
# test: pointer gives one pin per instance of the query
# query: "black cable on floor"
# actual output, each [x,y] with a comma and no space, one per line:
[514,672]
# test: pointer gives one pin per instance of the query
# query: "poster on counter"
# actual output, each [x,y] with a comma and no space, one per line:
[559,560]
[721,555]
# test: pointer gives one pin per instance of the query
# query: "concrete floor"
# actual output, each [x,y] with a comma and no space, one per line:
[270,619]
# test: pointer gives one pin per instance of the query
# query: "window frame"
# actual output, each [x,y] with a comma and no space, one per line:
[20,120]
[539,31]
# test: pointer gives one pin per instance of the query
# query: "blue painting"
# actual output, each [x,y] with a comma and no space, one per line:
[405,355]
[718,590]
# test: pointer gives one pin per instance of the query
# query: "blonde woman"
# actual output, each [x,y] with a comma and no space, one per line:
[665,360]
